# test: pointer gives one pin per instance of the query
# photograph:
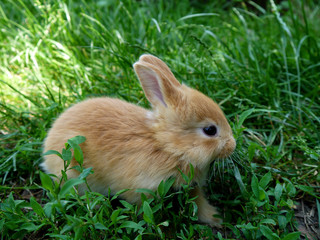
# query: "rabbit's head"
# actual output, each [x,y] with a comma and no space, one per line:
[184,121]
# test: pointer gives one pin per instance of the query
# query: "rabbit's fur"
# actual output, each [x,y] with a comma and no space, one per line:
[131,147]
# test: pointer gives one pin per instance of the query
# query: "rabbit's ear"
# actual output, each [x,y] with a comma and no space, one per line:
[158,89]
[165,70]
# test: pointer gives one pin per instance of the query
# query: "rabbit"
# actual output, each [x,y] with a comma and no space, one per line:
[130,147]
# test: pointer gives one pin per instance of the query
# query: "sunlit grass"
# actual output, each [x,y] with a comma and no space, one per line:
[261,65]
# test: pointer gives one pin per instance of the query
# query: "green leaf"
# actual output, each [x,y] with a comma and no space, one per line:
[290,203]
[305,188]
[184,176]
[100,226]
[1,224]
[53,152]
[255,186]
[66,228]
[143,198]
[237,175]
[147,191]
[78,155]
[292,236]
[161,189]
[66,154]
[191,173]
[291,189]
[268,221]
[86,172]
[70,183]
[244,116]
[248,226]
[265,180]
[119,193]
[130,224]
[64,175]
[282,220]
[49,209]
[139,237]
[29,226]
[147,213]
[46,181]
[36,207]
[114,215]
[127,205]
[197,15]
[79,230]
[278,191]
[165,186]
[188,178]
[168,184]
[166,224]
[267,232]
[59,236]
[262,195]
[78,139]
[233,228]
[77,152]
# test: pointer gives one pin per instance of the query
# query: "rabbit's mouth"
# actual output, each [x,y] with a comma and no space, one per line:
[228,149]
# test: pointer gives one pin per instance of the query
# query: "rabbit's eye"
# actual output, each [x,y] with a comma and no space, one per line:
[210,131]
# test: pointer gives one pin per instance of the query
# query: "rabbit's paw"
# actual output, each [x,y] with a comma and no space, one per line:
[206,215]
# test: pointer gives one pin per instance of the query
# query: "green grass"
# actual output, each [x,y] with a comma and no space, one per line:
[261,65]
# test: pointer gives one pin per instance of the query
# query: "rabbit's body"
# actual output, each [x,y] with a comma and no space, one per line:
[131,147]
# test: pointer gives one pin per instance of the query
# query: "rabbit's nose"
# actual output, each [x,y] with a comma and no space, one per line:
[230,146]
[232,143]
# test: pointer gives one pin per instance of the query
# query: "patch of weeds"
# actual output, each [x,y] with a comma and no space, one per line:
[63,213]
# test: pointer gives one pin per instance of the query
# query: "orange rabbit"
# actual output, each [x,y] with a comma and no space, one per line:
[131,147]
